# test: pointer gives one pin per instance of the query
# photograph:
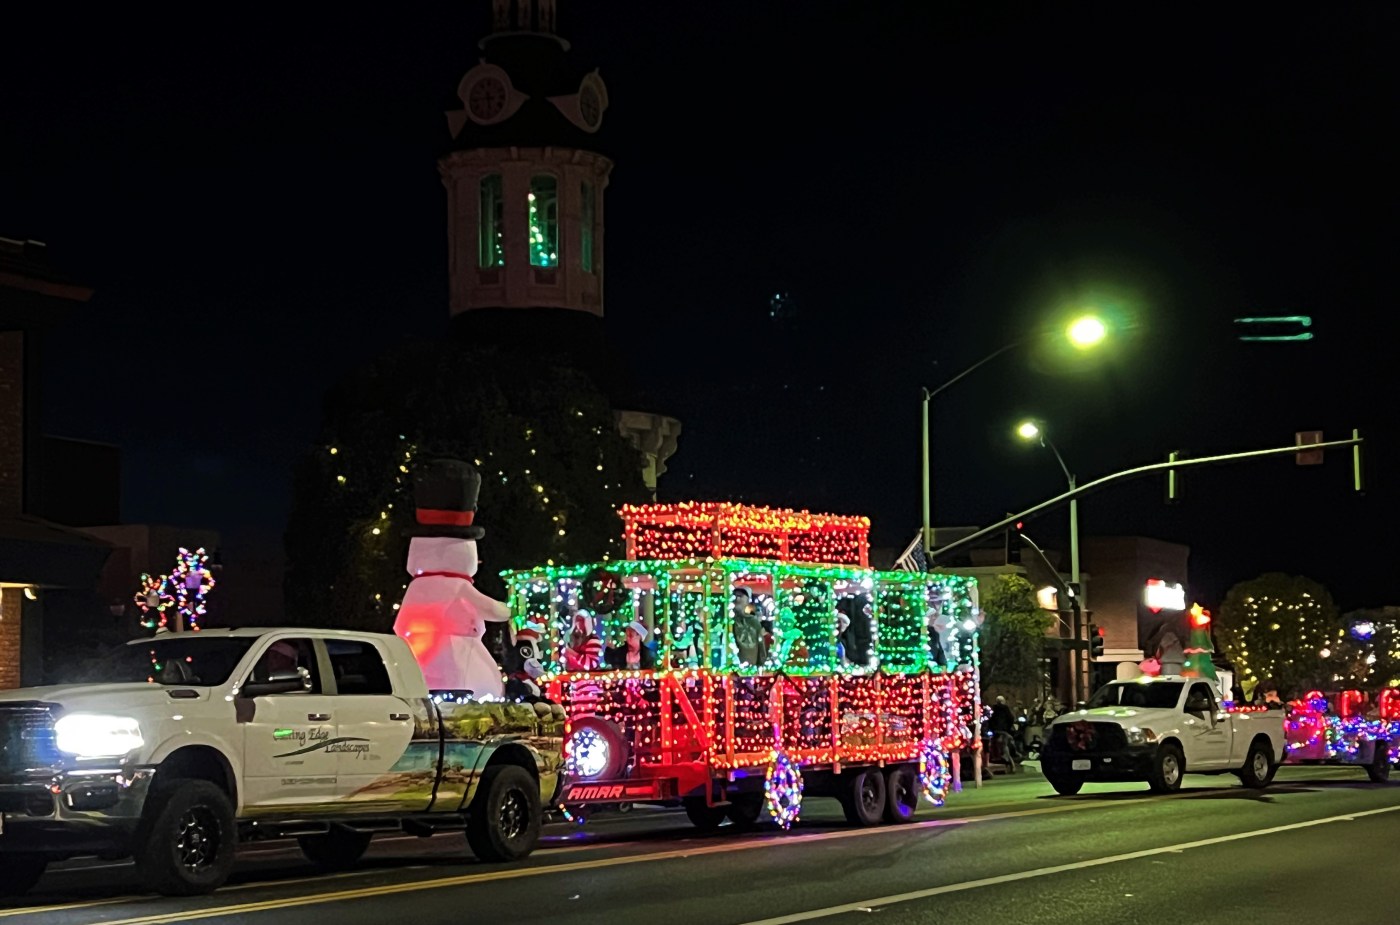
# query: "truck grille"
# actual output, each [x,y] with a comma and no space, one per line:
[27,741]
[1088,737]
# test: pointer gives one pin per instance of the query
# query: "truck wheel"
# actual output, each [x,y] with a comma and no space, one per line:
[702,815]
[1379,769]
[187,838]
[1167,767]
[22,871]
[864,799]
[745,810]
[1259,765]
[335,850]
[901,794]
[1065,786]
[505,817]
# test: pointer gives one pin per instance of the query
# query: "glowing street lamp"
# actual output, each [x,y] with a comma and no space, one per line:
[1083,332]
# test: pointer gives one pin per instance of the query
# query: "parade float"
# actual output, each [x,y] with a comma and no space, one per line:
[1349,727]
[741,659]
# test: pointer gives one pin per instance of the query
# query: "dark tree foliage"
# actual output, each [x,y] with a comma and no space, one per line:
[554,469]
[1013,632]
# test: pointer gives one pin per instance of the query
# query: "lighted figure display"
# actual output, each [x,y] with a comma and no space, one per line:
[183,590]
[786,668]
[443,616]
[1345,727]
[522,681]
[1197,663]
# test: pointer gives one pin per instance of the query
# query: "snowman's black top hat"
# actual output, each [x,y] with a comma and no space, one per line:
[445,492]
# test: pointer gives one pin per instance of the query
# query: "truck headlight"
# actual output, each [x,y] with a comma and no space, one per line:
[1138,736]
[92,735]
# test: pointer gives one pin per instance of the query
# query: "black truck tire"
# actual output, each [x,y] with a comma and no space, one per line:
[335,850]
[1168,765]
[864,798]
[1064,786]
[1378,771]
[1259,765]
[504,824]
[21,872]
[702,815]
[186,841]
[901,793]
[745,809]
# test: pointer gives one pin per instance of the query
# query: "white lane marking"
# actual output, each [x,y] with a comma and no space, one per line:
[870,904]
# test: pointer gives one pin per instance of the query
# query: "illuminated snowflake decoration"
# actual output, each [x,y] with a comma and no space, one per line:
[782,790]
[933,771]
[153,599]
[184,589]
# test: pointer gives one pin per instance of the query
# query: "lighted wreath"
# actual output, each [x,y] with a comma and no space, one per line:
[602,591]
[782,790]
[933,771]
[1081,736]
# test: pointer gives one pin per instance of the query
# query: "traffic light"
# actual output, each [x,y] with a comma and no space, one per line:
[1173,479]
[1095,641]
[1013,543]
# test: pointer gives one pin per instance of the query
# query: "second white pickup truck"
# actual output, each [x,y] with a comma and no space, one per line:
[1156,729]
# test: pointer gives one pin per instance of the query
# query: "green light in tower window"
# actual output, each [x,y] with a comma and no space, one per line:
[544,221]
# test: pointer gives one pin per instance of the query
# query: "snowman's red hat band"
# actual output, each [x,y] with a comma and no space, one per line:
[445,518]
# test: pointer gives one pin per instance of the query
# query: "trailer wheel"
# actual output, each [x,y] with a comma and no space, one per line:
[186,841]
[1259,765]
[1379,769]
[703,816]
[864,798]
[335,850]
[22,871]
[744,810]
[901,793]
[1167,767]
[504,824]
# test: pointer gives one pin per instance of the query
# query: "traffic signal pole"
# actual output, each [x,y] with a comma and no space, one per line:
[1075,493]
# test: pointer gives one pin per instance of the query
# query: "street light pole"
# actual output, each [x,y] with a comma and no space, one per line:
[1077,675]
[928,396]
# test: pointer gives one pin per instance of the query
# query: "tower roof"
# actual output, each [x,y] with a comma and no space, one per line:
[526,90]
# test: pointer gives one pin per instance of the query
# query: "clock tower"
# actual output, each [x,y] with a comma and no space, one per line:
[525,179]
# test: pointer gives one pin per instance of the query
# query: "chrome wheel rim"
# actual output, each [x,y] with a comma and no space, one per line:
[1171,771]
[514,810]
[869,798]
[1261,765]
[198,841]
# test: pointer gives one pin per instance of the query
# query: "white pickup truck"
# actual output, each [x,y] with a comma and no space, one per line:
[1157,729]
[191,742]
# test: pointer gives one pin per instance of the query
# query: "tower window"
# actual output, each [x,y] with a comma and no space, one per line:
[544,221]
[490,236]
[586,236]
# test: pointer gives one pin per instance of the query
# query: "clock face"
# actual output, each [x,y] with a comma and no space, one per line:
[486,99]
[590,106]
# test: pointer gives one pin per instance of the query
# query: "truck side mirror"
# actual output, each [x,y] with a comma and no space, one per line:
[287,681]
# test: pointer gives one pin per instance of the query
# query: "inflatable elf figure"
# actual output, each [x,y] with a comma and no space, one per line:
[1198,663]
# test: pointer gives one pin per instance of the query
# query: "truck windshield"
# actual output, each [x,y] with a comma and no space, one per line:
[1157,695]
[191,661]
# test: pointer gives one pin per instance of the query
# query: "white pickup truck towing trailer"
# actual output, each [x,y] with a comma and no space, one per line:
[1156,729]
[194,741]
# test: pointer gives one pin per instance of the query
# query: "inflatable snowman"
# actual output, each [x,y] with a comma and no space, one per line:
[443,616]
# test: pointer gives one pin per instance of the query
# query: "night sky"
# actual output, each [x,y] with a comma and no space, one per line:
[254,197]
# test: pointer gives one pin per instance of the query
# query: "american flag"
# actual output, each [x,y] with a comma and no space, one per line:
[912,559]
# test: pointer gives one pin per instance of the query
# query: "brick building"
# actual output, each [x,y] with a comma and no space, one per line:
[46,570]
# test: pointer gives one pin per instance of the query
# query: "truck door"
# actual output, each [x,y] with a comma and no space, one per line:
[286,734]
[1209,730]
[387,747]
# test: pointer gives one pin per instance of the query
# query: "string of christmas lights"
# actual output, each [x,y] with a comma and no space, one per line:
[693,529]
[184,589]
[782,790]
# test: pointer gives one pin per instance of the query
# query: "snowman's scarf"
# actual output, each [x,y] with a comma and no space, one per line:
[462,575]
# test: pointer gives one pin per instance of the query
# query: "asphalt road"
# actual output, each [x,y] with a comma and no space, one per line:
[1321,845]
